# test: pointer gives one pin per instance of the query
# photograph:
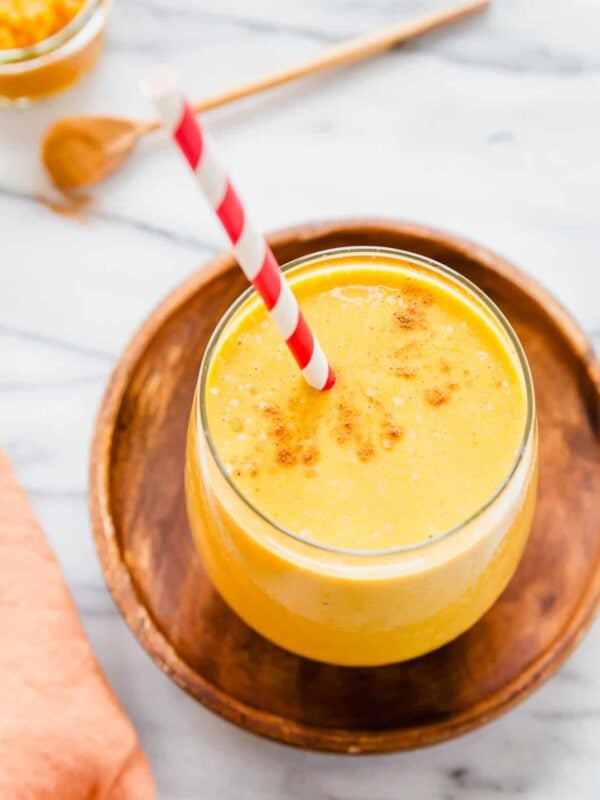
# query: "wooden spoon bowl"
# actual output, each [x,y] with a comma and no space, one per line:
[80,151]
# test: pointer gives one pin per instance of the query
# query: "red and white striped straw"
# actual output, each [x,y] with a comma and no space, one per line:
[253,253]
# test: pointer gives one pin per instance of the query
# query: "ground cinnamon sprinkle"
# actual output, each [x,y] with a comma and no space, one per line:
[310,455]
[292,429]
[417,293]
[280,432]
[285,457]
[405,372]
[392,431]
[358,429]
[292,444]
[436,397]
[410,349]
[345,424]
[409,355]
[365,452]
[408,319]
[413,314]
[272,411]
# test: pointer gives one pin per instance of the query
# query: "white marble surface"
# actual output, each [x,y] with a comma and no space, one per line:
[490,130]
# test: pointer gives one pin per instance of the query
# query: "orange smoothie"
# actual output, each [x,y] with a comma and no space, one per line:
[379,520]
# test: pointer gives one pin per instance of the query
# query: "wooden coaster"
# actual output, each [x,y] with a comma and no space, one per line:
[157,580]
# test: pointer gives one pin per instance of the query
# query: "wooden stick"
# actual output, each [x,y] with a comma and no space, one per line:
[346,53]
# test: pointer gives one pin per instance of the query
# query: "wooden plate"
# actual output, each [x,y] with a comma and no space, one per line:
[157,580]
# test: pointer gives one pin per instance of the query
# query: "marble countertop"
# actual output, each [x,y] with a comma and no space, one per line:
[489,130]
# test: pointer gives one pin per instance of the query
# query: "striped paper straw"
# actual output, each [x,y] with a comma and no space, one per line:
[253,253]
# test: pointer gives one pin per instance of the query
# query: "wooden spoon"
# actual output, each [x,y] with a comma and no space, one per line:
[82,150]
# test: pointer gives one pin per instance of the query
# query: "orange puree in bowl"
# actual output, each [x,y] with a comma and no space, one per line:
[26,22]
[47,45]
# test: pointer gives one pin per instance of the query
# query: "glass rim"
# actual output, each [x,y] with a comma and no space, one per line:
[22,55]
[200,410]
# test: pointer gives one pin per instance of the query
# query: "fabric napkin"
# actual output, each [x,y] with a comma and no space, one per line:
[63,734]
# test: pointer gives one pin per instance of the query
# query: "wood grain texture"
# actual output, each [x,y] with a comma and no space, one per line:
[156,578]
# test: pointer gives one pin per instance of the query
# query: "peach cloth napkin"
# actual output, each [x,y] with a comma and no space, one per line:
[63,734]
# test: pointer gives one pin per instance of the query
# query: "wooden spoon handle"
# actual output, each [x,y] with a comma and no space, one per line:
[346,53]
